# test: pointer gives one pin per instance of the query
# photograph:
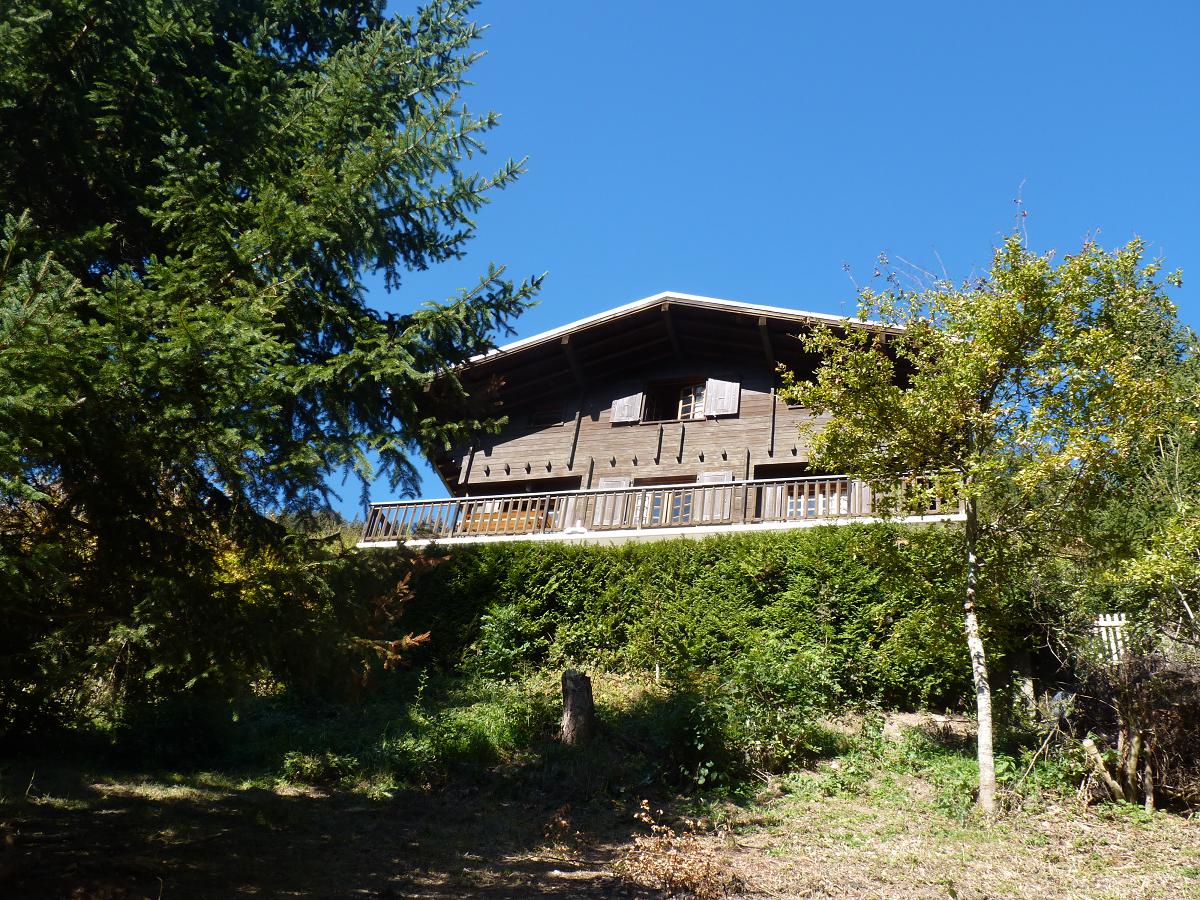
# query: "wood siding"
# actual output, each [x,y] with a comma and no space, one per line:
[590,446]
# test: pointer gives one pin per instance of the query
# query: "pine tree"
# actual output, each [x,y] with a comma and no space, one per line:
[193,193]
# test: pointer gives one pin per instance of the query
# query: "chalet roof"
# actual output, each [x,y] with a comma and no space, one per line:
[694,301]
[668,326]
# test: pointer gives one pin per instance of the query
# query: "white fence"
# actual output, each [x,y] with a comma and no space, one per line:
[1110,631]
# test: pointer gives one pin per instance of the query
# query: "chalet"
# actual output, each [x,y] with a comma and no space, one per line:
[656,419]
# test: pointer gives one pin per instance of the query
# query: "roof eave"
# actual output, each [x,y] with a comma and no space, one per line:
[694,300]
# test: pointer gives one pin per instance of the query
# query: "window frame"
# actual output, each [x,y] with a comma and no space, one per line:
[655,392]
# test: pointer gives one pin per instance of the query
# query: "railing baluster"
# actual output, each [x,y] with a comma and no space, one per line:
[823,497]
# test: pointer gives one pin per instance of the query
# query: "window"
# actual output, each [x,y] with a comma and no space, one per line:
[669,505]
[691,402]
[546,416]
[674,400]
[679,399]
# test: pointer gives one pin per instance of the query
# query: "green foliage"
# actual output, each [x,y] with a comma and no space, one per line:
[876,602]
[316,768]
[1024,393]
[414,732]
[191,194]
[419,730]
[763,716]
[1157,576]
[1023,388]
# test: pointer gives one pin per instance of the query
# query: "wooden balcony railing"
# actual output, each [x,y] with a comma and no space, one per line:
[787,500]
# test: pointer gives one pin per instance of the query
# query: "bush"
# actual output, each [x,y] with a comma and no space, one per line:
[316,768]
[880,602]
[773,703]
[1145,714]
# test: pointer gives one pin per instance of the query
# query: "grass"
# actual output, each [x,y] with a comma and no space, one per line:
[894,819]
[449,788]
[900,844]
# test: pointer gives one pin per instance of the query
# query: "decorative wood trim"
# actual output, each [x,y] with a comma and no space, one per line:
[575,436]
[771,442]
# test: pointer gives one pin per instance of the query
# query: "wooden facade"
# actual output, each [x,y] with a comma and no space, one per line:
[661,417]
[612,401]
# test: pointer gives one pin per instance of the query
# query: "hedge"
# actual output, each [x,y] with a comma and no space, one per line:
[881,602]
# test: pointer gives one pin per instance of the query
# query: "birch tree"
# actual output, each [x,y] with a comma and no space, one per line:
[1021,391]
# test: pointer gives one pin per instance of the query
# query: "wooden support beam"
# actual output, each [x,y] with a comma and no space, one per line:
[639,334]
[625,348]
[575,437]
[765,335]
[671,333]
[774,404]
[464,474]
[725,343]
[573,360]
[520,390]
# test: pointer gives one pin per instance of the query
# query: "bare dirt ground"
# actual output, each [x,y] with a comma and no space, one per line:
[106,838]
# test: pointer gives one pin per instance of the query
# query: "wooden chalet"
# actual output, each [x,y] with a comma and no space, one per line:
[656,419]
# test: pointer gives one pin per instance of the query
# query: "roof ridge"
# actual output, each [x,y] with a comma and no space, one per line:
[694,300]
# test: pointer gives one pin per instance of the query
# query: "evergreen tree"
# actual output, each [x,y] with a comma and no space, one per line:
[192,193]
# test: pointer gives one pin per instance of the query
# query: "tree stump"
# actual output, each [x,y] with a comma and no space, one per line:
[579,711]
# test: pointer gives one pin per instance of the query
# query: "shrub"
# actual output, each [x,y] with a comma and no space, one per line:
[1145,713]
[316,768]
[773,701]
[880,602]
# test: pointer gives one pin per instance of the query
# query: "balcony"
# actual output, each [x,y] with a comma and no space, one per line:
[646,513]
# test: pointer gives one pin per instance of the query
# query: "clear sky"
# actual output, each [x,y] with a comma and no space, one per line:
[750,151]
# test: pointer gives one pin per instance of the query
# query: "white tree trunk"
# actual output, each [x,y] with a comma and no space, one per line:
[983,690]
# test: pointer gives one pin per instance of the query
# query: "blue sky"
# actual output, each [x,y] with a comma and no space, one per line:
[748,151]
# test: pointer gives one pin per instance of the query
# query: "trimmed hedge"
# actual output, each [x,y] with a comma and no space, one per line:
[881,602]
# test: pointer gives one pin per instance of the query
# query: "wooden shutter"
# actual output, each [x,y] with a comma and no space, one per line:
[627,409]
[715,505]
[721,398]
[773,501]
[609,510]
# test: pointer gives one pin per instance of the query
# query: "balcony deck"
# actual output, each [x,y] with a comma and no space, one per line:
[637,513]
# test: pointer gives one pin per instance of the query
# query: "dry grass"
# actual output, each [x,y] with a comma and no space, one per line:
[75,835]
[892,842]
[680,862]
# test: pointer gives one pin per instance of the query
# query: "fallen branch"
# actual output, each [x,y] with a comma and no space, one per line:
[1101,769]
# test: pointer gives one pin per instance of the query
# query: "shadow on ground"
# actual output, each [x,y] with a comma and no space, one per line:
[512,812]
[195,837]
